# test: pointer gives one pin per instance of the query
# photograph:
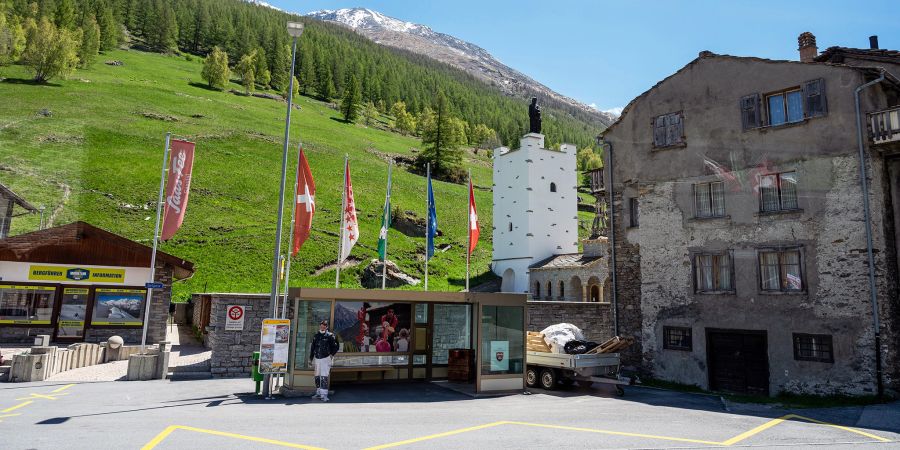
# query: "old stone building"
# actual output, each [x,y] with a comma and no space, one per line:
[740,227]
[573,277]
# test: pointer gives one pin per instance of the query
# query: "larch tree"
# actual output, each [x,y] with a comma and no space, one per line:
[215,69]
[12,39]
[90,42]
[246,69]
[50,52]
[440,137]
[351,100]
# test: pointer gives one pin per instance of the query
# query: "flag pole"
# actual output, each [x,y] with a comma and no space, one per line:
[287,276]
[337,276]
[468,230]
[427,219]
[386,219]
[152,278]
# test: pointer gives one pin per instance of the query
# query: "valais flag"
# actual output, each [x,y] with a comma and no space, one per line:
[473,220]
[350,232]
[178,186]
[304,205]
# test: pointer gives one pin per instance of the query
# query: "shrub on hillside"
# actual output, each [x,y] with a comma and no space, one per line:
[215,69]
[51,52]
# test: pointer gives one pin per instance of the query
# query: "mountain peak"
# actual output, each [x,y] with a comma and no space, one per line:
[456,52]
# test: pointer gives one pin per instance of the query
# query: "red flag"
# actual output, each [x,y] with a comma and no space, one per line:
[304,204]
[350,232]
[178,186]
[473,220]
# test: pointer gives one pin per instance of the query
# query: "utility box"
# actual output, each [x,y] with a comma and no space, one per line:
[254,374]
[42,340]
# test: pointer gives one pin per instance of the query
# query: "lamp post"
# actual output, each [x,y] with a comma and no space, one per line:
[295,29]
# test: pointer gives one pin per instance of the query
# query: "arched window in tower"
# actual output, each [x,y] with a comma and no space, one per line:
[510,226]
[537,289]
[562,290]
[552,187]
[595,293]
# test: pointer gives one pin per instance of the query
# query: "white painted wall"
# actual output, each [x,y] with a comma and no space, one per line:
[544,223]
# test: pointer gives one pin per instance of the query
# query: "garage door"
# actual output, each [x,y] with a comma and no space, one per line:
[738,361]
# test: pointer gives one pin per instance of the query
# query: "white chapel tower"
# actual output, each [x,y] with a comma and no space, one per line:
[535,208]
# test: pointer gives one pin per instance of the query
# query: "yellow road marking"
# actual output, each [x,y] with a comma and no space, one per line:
[62,388]
[9,415]
[852,430]
[754,431]
[13,408]
[617,433]
[438,435]
[165,433]
[33,395]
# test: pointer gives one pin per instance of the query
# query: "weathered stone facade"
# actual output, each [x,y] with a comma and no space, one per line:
[232,350]
[658,243]
[594,319]
[577,277]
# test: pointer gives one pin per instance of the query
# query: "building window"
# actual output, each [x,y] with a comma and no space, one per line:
[788,106]
[778,192]
[562,290]
[713,272]
[26,304]
[813,347]
[668,130]
[677,338]
[709,199]
[780,270]
[510,226]
[595,293]
[633,211]
[785,107]
[537,289]
[552,187]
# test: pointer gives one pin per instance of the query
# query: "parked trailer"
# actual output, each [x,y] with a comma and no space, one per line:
[546,369]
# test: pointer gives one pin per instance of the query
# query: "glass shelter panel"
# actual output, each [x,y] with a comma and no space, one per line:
[309,315]
[452,325]
[502,340]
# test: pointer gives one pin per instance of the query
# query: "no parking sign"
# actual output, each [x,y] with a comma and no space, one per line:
[234,318]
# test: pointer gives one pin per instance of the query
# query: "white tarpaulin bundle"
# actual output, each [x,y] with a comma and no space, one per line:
[556,336]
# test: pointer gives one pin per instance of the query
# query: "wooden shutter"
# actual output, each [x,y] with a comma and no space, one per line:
[814,98]
[659,131]
[750,112]
[674,129]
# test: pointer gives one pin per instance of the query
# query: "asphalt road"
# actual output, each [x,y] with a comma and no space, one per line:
[223,414]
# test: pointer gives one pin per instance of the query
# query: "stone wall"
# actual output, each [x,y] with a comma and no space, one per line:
[628,279]
[232,350]
[594,319]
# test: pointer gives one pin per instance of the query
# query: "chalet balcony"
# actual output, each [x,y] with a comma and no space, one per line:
[884,126]
[595,178]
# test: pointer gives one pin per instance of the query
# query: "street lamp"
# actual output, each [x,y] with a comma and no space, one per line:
[295,29]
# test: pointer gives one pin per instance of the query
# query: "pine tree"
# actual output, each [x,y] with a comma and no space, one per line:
[50,52]
[370,112]
[441,140]
[163,36]
[351,100]
[296,89]
[215,69]
[261,68]
[109,29]
[280,67]
[90,42]
[65,14]
[326,86]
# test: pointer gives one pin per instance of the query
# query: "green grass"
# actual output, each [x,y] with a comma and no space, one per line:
[98,144]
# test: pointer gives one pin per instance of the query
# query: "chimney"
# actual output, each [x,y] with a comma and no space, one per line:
[808,49]
[873,42]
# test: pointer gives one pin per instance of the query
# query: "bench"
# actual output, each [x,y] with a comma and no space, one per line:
[360,369]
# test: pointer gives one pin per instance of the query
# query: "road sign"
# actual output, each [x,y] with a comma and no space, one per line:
[234,318]
[153,285]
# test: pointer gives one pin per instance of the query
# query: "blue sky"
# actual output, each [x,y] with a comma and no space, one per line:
[606,53]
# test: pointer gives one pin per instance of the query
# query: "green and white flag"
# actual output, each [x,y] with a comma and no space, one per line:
[385,221]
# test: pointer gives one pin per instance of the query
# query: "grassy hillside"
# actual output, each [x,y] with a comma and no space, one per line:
[89,148]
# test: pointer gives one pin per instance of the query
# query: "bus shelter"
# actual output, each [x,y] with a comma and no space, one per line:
[463,337]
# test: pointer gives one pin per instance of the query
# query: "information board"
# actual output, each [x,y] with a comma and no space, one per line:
[274,346]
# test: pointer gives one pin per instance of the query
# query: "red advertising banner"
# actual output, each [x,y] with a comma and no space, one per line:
[178,186]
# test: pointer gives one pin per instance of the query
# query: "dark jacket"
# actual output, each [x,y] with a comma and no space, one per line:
[323,345]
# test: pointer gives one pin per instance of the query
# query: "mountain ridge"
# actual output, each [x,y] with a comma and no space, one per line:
[464,55]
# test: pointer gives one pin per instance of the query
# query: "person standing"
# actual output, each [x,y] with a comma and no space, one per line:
[324,347]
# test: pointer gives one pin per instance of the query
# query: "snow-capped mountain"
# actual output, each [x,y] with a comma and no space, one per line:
[456,52]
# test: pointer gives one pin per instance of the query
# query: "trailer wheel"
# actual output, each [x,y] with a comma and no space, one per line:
[548,379]
[531,377]
[620,391]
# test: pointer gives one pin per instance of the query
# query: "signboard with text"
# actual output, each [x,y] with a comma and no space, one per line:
[274,344]
[234,318]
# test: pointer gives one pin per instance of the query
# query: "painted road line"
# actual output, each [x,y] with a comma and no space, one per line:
[438,435]
[47,396]
[8,415]
[62,388]
[757,430]
[165,433]
[618,433]
[13,408]
[852,430]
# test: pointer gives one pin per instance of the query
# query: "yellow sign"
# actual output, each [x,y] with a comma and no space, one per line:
[76,291]
[26,322]
[124,291]
[71,323]
[70,273]
[28,288]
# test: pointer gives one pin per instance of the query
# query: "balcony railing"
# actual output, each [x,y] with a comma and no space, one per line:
[595,178]
[884,126]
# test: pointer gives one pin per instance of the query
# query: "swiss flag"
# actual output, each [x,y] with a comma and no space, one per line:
[304,203]
[350,232]
[473,220]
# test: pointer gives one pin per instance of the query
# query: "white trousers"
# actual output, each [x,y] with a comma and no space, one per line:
[322,370]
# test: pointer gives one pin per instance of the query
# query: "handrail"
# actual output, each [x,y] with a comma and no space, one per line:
[884,125]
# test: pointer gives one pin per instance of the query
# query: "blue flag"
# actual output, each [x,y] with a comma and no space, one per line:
[432,221]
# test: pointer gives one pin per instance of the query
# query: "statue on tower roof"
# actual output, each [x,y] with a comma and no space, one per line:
[534,117]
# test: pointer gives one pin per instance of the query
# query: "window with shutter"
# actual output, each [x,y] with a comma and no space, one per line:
[668,130]
[814,96]
[659,131]
[750,117]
